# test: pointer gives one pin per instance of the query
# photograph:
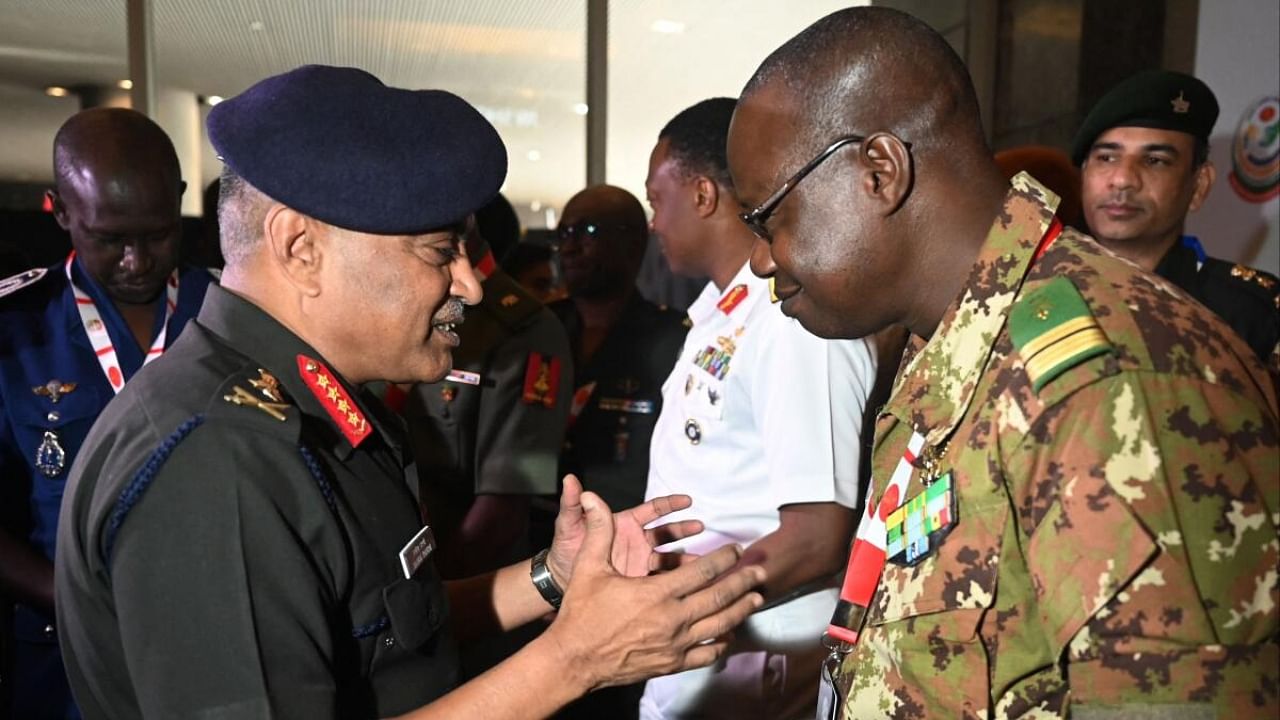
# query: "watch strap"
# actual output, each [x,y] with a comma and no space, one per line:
[543,581]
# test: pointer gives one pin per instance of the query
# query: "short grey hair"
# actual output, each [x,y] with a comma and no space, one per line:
[242,209]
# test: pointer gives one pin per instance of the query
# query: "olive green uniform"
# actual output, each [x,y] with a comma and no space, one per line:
[242,559]
[607,444]
[492,437]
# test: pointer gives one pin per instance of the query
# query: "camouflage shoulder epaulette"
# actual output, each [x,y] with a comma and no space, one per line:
[1053,330]
[14,283]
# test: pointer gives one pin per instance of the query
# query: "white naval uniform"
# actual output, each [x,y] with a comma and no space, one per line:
[778,422]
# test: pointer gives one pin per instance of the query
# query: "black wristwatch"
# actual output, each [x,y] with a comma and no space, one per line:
[543,581]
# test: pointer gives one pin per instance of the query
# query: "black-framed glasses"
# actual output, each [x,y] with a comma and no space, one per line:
[587,230]
[756,218]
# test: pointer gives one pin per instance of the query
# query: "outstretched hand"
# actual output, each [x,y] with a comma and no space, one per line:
[613,629]
[633,546]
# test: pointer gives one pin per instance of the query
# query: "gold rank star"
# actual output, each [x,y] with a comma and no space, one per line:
[354,419]
[323,381]
[333,394]
[343,406]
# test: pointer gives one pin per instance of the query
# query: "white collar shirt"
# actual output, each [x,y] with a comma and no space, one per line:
[757,413]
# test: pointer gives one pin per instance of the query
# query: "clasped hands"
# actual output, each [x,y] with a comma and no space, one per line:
[618,623]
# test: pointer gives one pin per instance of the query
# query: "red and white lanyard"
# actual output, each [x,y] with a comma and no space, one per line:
[97,329]
[867,556]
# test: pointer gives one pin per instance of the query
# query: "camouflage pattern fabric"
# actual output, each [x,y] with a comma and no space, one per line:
[1116,549]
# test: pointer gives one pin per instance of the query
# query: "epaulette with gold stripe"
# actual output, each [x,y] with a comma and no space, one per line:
[1053,330]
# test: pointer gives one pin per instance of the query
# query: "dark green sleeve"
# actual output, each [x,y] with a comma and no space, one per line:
[224,577]
[518,443]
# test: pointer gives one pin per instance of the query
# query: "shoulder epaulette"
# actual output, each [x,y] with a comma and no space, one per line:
[511,304]
[15,283]
[1246,274]
[1053,330]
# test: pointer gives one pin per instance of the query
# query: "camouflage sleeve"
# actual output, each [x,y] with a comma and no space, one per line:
[1147,505]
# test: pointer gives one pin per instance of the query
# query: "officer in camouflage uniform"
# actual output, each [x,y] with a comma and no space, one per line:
[1074,501]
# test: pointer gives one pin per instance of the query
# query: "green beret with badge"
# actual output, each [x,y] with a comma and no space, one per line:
[1161,99]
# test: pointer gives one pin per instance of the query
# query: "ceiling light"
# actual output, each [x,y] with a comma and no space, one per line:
[667,26]
[534,155]
[580,109]
[535,206]
[125,84]
[212,100]
[257,26]
[56,91]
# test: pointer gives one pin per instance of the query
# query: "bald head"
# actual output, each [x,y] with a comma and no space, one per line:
[611,204]
[868,69]
[603,234]
[859,147]
[113,145]
[118,192]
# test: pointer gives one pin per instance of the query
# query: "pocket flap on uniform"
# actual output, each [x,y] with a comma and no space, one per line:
[957,582]
[416,608]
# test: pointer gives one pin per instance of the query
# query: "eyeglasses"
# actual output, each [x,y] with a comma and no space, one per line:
[756,219]
[586,230]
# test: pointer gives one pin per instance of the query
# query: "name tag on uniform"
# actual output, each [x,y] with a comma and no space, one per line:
[417,551]
[464,377]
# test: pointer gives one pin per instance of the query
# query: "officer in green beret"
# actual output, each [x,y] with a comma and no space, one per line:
[1144,157]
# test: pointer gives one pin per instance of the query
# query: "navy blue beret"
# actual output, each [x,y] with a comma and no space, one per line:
[1160,99]
[338,145]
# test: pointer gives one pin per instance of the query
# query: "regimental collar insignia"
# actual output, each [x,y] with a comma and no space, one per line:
[244,398]
[335,400]
[268,385]
[510,300]
[54,390]
[541,380]
[1181,105]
